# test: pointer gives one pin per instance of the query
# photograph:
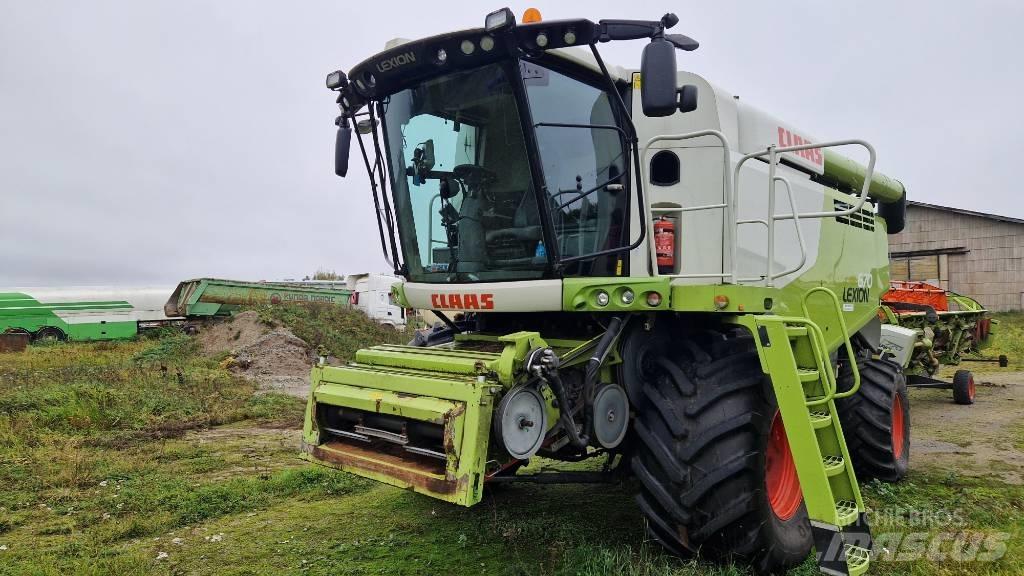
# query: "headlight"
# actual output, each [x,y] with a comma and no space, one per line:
[499,19]
[335,79]
[628,296]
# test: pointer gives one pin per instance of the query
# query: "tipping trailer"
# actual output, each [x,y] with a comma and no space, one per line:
[83,312]
[208,297]
[632,264]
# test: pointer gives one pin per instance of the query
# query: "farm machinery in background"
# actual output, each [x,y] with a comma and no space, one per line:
[926,327]
[120,313]
[630,264]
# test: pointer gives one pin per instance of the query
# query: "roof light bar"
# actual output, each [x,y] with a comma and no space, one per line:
[499,19]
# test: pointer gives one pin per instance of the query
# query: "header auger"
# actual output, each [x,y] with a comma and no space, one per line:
[524,189]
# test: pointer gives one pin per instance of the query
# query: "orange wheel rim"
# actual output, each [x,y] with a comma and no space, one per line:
[899,435]
[781,481]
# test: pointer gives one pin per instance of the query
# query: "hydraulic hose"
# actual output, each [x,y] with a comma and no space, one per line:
[611,335]
[565,413]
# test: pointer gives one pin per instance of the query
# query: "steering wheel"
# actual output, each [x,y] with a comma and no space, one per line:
[474,176]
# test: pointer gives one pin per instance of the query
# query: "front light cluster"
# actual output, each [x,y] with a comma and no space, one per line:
[625,297]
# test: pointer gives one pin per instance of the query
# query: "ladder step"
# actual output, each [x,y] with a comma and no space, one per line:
[833,465]
[808,375]
[796,331]
[857,560]
[821,420]
[847,512]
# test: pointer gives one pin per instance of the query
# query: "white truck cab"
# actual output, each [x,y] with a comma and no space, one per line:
[371,293]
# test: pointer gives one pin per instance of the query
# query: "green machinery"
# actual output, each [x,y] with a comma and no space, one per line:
[20,313]
[633,265]
[206,297]
[927,327]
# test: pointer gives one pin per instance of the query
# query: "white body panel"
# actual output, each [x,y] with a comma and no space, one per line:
[899,342]
[374,297]
[702,237]
[147,302]
[527,296]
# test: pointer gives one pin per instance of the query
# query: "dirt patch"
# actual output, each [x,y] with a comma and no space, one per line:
[976,440]
[280,361]
[275,358]
[239,331]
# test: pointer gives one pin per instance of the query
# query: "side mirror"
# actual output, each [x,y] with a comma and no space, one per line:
[688,98]
[342,143]
[658,79]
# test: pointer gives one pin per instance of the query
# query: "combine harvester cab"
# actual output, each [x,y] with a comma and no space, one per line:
[629,264]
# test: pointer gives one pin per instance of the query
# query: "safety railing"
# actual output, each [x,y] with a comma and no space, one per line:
[832,389]
[730,195]
[772,154]
[724,205]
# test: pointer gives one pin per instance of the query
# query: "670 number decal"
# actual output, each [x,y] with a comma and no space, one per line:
[860,294]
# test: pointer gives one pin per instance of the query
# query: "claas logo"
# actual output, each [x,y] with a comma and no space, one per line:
[787,138]
[462,301]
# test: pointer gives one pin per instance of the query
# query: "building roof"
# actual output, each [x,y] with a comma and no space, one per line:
[967,212]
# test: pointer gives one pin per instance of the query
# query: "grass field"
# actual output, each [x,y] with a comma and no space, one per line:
[147,458]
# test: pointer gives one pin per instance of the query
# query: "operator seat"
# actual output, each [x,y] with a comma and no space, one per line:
[524,233]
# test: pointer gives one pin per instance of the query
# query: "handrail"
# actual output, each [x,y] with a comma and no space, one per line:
[726,187]
[795,216]
[731,222]
[772,153]
[846,342]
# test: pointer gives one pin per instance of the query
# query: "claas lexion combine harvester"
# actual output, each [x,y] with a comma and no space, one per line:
[635,265]
[926,327]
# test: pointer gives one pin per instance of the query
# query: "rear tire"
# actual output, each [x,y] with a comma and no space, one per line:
[876,420]
[703,427]
[963,387]
[49,334]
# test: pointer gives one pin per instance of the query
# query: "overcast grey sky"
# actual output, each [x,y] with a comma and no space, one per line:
[145,142]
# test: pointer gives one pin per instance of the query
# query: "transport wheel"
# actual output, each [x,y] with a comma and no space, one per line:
[963,387]
[49,334]
[876,420]
[711,456]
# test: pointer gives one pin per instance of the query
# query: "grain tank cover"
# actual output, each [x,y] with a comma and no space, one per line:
[758,130]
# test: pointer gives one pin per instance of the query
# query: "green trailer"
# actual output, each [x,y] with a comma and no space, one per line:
[209,297]
[20,313]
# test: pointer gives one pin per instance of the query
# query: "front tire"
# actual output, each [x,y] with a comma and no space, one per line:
[876,420]
[713,476]
[963,387]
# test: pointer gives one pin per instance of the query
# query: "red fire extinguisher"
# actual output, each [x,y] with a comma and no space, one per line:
[665,245]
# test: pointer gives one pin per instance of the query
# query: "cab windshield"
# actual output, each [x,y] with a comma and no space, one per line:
[464,196]
[464,193]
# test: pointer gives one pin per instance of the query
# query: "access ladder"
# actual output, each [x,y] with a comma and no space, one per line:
[794,354]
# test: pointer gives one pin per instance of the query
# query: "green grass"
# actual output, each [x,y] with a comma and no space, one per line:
[333,330]
[111,454]
[1008,339]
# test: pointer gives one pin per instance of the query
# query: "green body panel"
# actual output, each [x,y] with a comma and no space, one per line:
[441,385]
[844,173]
[214,297]
[88,320]
[852,262]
